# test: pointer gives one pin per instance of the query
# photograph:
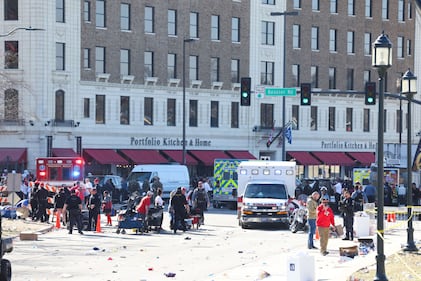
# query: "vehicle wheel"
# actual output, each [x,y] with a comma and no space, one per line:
[243,225]
[123,231]
[6,270]
[215,204]
[117,231]
[293,227]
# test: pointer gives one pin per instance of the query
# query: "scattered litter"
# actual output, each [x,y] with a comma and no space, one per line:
[240,252]
[187,238]
[110,258]
[114,271]
[95,248]
[66,275]
[169,274]
[150,268]
[263,275]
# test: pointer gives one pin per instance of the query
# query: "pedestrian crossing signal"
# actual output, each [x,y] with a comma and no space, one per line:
[370,93]
[245,91]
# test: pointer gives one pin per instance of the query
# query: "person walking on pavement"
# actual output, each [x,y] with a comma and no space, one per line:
[359,197]
[371,192]
[179,209]
[312,203]
[94,207]
[200,200]
[325,219]
[107,206]
[347,207]
[74,206]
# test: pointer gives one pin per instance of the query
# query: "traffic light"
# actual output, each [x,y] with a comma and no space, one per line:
[245,91]
[305,93]
[370,93]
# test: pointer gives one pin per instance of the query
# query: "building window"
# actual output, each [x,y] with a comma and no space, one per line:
[59,110]
[266,115]
[148,112]
[214,69]
[331,120]
[408,47]
[86,108]
[315,38]
[350,79]
[268,2]
[124,62]
[332,40]
[409,10]
[332,77]
[60,56]
[333,6]
[296,117]
[11,9]
[125,16]
[86,58]
[87,11]
[100,59]
[215,27]
[348,124]
[313,118]
[100,109]
[268,33]
[172,66]
[194,25]
[367,44]
[172,22]
[171,112]
[385,9]
[235,71]
[124,110]
[148,65]
[351,8]
[399,121]
[296,36]
[366,120]
[100,13]
[214,118]
[59,10]
[296,75]
[149,19]
[367,76]
[400,48]
[297,4]
[350,42]
[235,30]
[193,113]
[315,5]
[235,114]
[11,54]
[11,105]
[267,73]
[194,68]
[314,72]
[401,10]
[368,9]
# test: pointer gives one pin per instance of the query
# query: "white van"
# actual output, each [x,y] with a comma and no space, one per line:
[170,175]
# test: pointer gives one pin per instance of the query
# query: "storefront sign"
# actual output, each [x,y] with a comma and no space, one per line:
[349,145]
[168,142]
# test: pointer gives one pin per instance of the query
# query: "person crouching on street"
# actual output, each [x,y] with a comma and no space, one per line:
[312,203]
[74,206]
[325,219]
[143,207]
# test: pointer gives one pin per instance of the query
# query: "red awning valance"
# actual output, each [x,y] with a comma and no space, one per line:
[177,156]
[13,155]
[303,158]
[240,154]
[334,158]
[105,156]
[365,158]
[208,156]
[143,156]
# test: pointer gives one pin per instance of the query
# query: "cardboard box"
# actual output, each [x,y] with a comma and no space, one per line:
[28,236]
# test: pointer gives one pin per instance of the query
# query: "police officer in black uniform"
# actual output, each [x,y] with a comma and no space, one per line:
[74,206]
[42,198]
[94,206]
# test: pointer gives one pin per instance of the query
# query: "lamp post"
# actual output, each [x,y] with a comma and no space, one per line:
[284,14]
[409,87]
[185,41]
[382,60]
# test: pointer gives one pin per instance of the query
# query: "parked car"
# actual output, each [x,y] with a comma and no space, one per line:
[117,191]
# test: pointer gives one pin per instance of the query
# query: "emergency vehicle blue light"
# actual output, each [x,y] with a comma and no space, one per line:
[76,174]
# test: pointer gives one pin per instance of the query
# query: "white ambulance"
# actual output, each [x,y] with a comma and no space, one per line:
[264,188]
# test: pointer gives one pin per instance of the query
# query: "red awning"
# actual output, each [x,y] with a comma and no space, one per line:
[64,152]
[304,158]
[13,155]
[143,156]
[240,154]
[365,158]
[334,158]
[105,156]
[208,156]
[177,156]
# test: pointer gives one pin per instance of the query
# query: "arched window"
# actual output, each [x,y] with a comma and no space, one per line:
[11,105]
[59,114]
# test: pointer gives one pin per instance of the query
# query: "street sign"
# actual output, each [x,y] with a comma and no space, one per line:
[286,92]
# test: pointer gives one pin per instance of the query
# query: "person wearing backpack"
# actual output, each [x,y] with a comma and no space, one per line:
[200,200]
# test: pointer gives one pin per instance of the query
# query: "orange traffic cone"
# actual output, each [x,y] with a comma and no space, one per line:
[317,233]
[57,220]
[389,217]
[98,224]
[394,217]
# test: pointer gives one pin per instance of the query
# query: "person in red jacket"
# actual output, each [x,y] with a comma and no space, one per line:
[325,219]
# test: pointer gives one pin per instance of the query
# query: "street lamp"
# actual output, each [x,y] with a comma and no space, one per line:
[382,60]
[409,87]
[19,28]
[294,13]
[185,41]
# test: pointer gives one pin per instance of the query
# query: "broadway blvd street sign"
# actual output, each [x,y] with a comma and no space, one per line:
[285,92]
